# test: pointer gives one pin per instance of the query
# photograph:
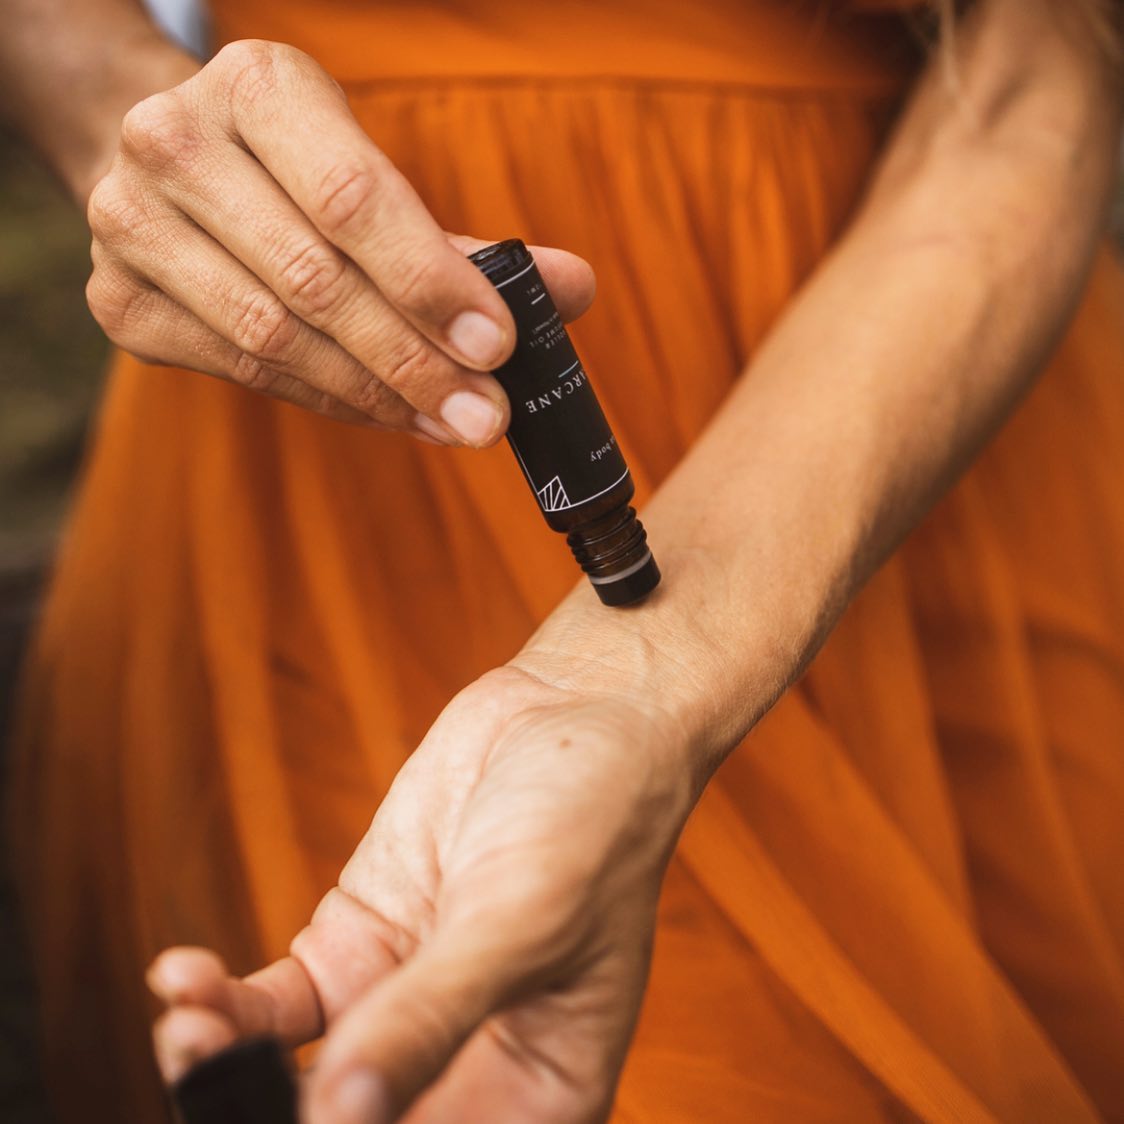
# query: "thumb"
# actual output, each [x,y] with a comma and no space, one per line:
[396,1040]
[568,278]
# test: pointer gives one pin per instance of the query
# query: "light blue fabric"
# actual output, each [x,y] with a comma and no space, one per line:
[185,21]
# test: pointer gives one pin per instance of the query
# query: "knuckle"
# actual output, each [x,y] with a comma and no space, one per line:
[102,306]
[158,133]
[410,366]
[113,299]
[251,69]
[346,196]
[314,280]
[113,213]
[264,328]
[414,283]
[372,396]
[237,55]
[255,71]
[249,371]
[286,55]
[321,402]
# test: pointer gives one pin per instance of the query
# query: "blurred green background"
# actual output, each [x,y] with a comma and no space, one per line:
[51,359]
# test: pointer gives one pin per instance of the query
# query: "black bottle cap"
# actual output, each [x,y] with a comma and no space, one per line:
[629,587]
[248,1083]
[501,260]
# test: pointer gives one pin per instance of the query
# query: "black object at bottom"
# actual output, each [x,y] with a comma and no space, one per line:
[249,1083]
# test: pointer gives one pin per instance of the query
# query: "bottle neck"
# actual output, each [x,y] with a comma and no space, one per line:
[613,552]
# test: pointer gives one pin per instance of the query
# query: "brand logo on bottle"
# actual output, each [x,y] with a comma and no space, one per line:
[552,496]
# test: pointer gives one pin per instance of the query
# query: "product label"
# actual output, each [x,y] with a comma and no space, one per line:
[558,430]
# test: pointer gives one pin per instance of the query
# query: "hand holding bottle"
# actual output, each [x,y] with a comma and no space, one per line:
[250,229]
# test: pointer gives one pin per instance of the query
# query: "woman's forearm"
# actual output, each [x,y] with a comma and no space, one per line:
[889,371]
[71,69]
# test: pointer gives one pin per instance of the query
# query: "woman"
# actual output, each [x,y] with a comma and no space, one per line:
[897,897]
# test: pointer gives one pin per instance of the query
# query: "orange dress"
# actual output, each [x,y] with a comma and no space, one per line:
[901,897]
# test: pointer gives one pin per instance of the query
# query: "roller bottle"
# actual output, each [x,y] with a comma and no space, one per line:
[559,434]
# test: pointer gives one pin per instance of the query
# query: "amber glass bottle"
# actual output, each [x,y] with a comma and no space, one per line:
[561,439]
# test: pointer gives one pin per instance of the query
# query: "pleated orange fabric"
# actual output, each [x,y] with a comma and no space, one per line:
[900,899]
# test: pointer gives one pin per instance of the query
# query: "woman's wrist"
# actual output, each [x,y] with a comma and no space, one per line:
[147,65]
[667,657]
[70,71]
[748,591]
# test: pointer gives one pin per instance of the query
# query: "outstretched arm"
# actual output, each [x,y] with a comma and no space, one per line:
[889,371]
[484,954]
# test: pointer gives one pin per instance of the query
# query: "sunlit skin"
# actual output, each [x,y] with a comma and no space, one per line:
[474,841]
[485,952]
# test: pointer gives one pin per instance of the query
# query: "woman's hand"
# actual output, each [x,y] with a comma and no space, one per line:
[489,939]
[250,229]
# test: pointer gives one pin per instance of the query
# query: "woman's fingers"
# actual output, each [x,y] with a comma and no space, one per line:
[199,274]
[188,975]
[184,1036]
[359,201]
[322,288]
[210,1009]
[336,959]
[569,278]
[250,196]
[190,981]
[392,1043]
[147,322]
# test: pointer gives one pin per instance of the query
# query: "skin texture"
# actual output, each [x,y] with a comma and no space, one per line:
[467,963]
[467,845]
[222,245]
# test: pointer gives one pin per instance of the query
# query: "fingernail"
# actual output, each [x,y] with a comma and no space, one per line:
[474,418]
[433,430]
[360,1098]
[478,338]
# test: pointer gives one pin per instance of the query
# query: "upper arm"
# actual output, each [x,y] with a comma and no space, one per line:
[1034,79]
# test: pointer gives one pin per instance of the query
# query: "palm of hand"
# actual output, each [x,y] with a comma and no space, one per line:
[500,908]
